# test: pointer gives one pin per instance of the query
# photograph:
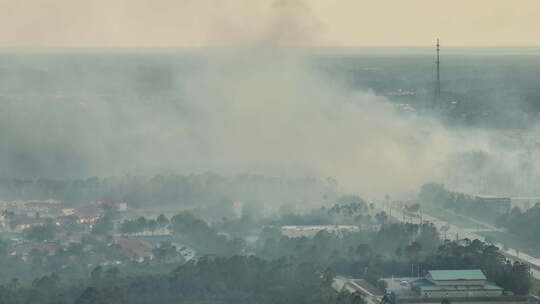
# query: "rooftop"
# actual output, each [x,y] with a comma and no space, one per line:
[425,285]
[456,275]
[487,286]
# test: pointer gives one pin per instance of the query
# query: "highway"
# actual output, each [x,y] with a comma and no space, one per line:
[455,232]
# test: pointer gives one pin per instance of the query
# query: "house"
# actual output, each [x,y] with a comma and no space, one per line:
[22,223]
[116,205]
[88,213]
[24,249]
[134,248]
[68,211]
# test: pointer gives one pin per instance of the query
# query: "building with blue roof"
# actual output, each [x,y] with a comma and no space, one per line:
[455,284]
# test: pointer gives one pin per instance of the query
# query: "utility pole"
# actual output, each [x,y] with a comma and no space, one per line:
[438,81]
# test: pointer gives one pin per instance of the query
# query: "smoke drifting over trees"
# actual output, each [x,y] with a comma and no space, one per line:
[261,107]
[252,172]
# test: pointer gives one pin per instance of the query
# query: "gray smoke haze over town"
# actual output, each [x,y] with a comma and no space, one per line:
[269,151]
[260,103]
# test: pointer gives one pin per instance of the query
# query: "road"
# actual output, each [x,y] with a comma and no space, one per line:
[341,282]
[461,233]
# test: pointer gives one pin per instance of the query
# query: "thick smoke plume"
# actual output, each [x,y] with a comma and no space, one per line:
[260,106]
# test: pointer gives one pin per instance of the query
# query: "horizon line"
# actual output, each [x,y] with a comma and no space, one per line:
[263,46]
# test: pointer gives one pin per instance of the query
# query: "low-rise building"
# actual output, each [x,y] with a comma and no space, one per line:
[455,283]
[458,286]
[48,207]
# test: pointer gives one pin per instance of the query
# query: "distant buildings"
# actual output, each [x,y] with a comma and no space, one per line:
[116,205]
[311,231]
[18,215]
[25,249]
[88,213]
[20,224]
[48,207]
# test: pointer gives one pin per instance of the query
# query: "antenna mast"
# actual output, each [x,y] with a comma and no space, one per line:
[438,83]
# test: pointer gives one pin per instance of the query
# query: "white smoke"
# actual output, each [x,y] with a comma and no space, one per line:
[260,106]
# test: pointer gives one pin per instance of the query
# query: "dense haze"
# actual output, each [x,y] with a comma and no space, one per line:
[265,107]
[182,151]
[264,110]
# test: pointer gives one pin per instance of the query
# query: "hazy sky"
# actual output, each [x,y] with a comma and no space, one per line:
[150,23]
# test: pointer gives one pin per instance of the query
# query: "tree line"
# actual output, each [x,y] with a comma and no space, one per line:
[237,279]
[208,188]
